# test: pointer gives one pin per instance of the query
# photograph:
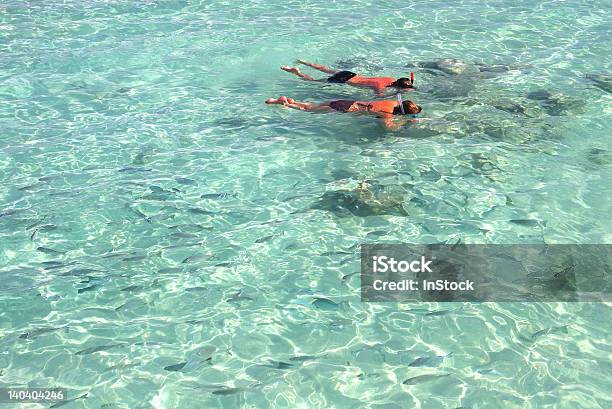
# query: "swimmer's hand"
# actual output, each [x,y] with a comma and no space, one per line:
[393,124]
[390,125]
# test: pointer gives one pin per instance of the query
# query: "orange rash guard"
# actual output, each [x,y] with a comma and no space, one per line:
[384,108]
[371,82]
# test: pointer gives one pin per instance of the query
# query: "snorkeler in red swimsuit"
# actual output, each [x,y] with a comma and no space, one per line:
[384,109]
[379,84]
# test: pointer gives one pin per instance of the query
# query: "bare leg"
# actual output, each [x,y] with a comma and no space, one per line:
[297,72]
[303,106]
[319,67]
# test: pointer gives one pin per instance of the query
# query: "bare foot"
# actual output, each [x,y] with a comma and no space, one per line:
[301,62]
[292,70]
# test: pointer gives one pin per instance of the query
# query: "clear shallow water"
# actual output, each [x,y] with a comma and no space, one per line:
[151,205]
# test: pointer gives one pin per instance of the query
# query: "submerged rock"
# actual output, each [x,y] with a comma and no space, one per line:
[539,95]
[507,105]
[601,81]
[367,199]
[450,66]
[446,88]
[358,63]
[557,104]
[600,157]
[457,78]
[495,68]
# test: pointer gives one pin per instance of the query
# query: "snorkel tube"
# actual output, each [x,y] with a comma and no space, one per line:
[400,102]
[401,105]
[411,78]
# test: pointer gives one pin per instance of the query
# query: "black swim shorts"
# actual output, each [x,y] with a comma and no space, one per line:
[341,77]
[342,105]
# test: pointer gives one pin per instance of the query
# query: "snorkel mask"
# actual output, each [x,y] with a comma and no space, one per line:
[401,106]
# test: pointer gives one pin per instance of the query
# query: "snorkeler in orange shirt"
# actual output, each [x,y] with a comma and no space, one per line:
[379,84]
[387,109]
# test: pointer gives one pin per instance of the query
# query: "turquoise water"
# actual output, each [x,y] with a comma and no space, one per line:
[154,213]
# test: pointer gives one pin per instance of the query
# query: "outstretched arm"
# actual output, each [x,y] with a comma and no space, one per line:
[319,67]
[393,124]
[390,124]
[297,72]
